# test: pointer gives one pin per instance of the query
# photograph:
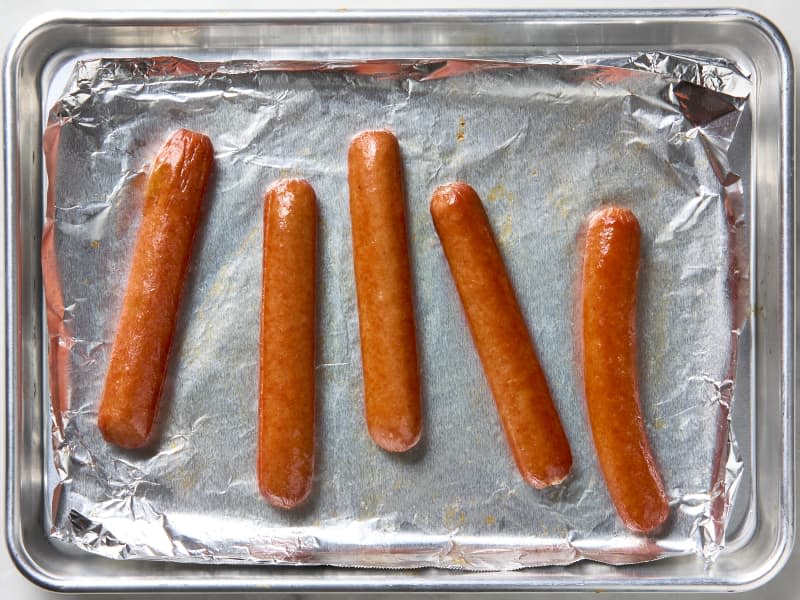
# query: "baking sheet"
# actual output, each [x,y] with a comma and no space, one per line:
[543,145]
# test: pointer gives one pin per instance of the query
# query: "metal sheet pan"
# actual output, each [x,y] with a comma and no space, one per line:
[476,35]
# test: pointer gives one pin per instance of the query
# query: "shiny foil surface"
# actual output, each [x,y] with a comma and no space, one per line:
[543,143]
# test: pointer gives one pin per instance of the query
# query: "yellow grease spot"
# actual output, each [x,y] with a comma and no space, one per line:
[453,516]
[506,228]
[207,311]
[462,129]
[500,192]
[187,478]
[289,174]
[95,244]
[660,424]
[490,520]
[562,204]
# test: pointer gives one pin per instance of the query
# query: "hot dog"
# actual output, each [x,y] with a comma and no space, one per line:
[383,288]
[517,381]
[607,342]
[175,189]
[286,372]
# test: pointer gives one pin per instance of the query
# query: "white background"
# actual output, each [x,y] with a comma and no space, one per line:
[784,13]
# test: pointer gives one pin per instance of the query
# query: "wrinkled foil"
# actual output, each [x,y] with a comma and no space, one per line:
[544,142]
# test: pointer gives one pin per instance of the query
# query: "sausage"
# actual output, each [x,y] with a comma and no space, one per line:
[286,371]
[529,418]
[383,288]
[607,342]
[174,193]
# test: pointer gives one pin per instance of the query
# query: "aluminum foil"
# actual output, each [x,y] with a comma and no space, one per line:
[543,142]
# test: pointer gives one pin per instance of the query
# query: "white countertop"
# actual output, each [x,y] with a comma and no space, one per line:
[784,13]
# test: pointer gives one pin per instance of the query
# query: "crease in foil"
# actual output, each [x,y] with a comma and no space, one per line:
[544,142]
